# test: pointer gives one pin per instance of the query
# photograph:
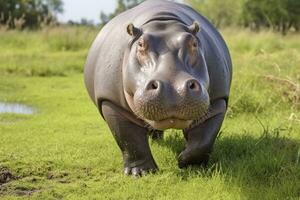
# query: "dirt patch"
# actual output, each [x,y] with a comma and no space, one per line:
[23,191]
[5,176]
[6,189]
[17,191]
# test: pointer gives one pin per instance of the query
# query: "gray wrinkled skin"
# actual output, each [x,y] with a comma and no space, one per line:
[152,68]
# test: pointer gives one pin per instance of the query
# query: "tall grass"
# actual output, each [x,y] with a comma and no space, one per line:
[50,52]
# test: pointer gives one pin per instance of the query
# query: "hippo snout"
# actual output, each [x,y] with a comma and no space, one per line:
[161,100]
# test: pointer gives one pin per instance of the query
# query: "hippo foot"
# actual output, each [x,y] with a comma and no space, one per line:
[141,169]
[193,156]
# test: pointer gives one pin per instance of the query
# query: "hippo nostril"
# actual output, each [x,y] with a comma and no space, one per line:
[152,85]
[193,85]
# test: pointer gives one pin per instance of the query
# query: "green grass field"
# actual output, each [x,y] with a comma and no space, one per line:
[66,151]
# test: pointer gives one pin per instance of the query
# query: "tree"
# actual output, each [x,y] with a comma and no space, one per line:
[55,6]
[29,13]
[121,7]
[86,22]
[220,12]
[279,15]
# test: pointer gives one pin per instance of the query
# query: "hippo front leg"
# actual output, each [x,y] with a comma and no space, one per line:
[200,139]
[132,140]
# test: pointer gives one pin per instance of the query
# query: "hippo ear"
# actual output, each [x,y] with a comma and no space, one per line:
[194,28]
[132,30]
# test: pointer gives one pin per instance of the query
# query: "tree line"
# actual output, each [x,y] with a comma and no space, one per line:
[20,14]
[278,15]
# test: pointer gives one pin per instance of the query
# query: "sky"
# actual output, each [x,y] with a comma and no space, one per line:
[75,10]
[89,9]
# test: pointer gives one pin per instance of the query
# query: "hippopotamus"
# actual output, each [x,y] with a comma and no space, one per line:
[160,65]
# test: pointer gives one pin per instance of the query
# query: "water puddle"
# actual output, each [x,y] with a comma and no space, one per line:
[16,108]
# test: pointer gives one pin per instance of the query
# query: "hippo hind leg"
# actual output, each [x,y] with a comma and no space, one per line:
[132,140]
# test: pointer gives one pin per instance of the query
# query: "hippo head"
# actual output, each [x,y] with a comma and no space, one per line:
[165,75]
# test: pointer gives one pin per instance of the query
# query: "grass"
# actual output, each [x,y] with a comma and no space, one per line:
[55,52]
[66,151]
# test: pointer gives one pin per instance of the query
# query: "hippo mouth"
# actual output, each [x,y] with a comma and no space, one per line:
[161,113]
[167,123]
[161,117]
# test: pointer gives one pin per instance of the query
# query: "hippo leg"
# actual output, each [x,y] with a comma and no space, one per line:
[132,140]
[200,139]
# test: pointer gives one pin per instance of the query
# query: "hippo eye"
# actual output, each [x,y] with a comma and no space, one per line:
[142,53]
[141,44]
[195,44]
